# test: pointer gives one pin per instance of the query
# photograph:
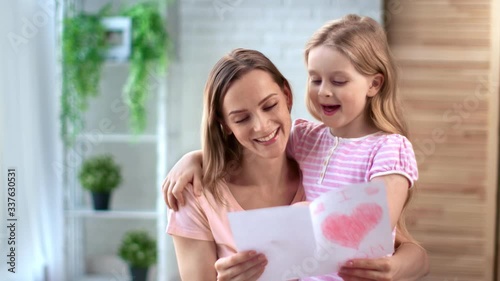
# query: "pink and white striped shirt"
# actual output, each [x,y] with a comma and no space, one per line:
[328,162]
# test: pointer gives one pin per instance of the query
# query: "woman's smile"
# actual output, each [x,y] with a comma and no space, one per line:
[270,138]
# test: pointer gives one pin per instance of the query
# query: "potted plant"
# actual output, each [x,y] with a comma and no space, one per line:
[149,54]
[138,249]
[83,53]
[100,175]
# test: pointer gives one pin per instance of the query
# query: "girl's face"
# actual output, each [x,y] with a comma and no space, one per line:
[338,92]
[255,110]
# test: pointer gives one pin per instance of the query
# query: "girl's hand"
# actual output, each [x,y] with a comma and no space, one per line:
[243,266]
[381,269]
[186,171]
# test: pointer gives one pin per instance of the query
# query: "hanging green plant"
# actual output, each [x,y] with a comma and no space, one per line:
[150,44]
[83,54]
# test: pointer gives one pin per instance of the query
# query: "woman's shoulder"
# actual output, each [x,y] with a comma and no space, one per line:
[207,204]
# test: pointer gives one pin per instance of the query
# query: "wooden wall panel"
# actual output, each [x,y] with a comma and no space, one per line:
[494,115]
[444,50]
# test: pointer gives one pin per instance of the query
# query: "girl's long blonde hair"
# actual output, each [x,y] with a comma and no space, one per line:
[222,152]
[364,42]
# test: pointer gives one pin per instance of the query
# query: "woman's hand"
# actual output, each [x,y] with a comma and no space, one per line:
[381,269]
[186,171]
[243,266]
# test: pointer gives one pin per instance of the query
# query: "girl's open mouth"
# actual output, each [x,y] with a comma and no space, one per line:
[330,109]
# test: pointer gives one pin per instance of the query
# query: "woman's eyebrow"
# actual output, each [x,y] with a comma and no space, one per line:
[261,102]
[266,98]
[236,111]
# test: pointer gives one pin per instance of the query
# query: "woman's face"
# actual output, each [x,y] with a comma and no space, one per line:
[255,110]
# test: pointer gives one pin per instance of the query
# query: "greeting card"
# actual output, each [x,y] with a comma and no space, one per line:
[301,241]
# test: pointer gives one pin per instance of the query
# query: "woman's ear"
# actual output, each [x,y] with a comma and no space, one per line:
[376,85]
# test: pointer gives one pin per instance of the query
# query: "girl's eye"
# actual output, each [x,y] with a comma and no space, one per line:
[315,81]
[241,120]
[270,107]
[340,83]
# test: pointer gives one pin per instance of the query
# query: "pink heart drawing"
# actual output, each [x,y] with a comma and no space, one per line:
[371,190]
[349,231]
[320,208]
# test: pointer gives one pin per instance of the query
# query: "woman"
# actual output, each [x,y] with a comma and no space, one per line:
[246,125]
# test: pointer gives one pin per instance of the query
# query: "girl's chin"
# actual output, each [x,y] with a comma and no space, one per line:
[330,123]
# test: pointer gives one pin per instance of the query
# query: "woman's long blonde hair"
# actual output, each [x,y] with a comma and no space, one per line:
[222,152]
[364,42]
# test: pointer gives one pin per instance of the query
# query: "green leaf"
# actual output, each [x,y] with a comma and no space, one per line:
[149,52]
[138,249]
[83,50]
[100,174]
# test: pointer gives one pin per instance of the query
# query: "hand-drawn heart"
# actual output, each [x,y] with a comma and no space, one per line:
[349,231]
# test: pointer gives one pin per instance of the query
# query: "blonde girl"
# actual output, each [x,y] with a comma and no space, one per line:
[352,89]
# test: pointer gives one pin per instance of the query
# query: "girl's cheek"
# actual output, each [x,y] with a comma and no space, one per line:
[314,91]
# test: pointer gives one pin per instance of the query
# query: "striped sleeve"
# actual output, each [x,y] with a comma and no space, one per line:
[190,221]
[299,128]
[394,155]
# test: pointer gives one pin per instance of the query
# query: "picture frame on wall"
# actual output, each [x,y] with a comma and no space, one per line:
[118,36]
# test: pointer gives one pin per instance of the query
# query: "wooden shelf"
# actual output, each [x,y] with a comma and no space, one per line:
[116,63]
[117,138]
[113,214]
[99,278]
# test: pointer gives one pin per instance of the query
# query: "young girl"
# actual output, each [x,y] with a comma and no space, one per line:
[352,90]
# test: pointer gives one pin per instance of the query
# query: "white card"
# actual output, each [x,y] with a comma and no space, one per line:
[301,241]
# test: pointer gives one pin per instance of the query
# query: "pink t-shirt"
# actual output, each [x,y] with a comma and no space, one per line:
[328,162]
[198,219]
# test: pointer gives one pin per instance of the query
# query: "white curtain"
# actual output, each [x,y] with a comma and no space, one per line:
[30,140]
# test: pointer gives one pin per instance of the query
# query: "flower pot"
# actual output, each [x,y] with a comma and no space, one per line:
[138,273]
[100,200]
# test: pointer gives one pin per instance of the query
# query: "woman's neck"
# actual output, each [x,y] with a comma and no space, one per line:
[260,183]
[262,172]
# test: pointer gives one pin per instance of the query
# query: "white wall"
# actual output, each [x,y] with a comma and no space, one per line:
[30,142]
[208,29]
